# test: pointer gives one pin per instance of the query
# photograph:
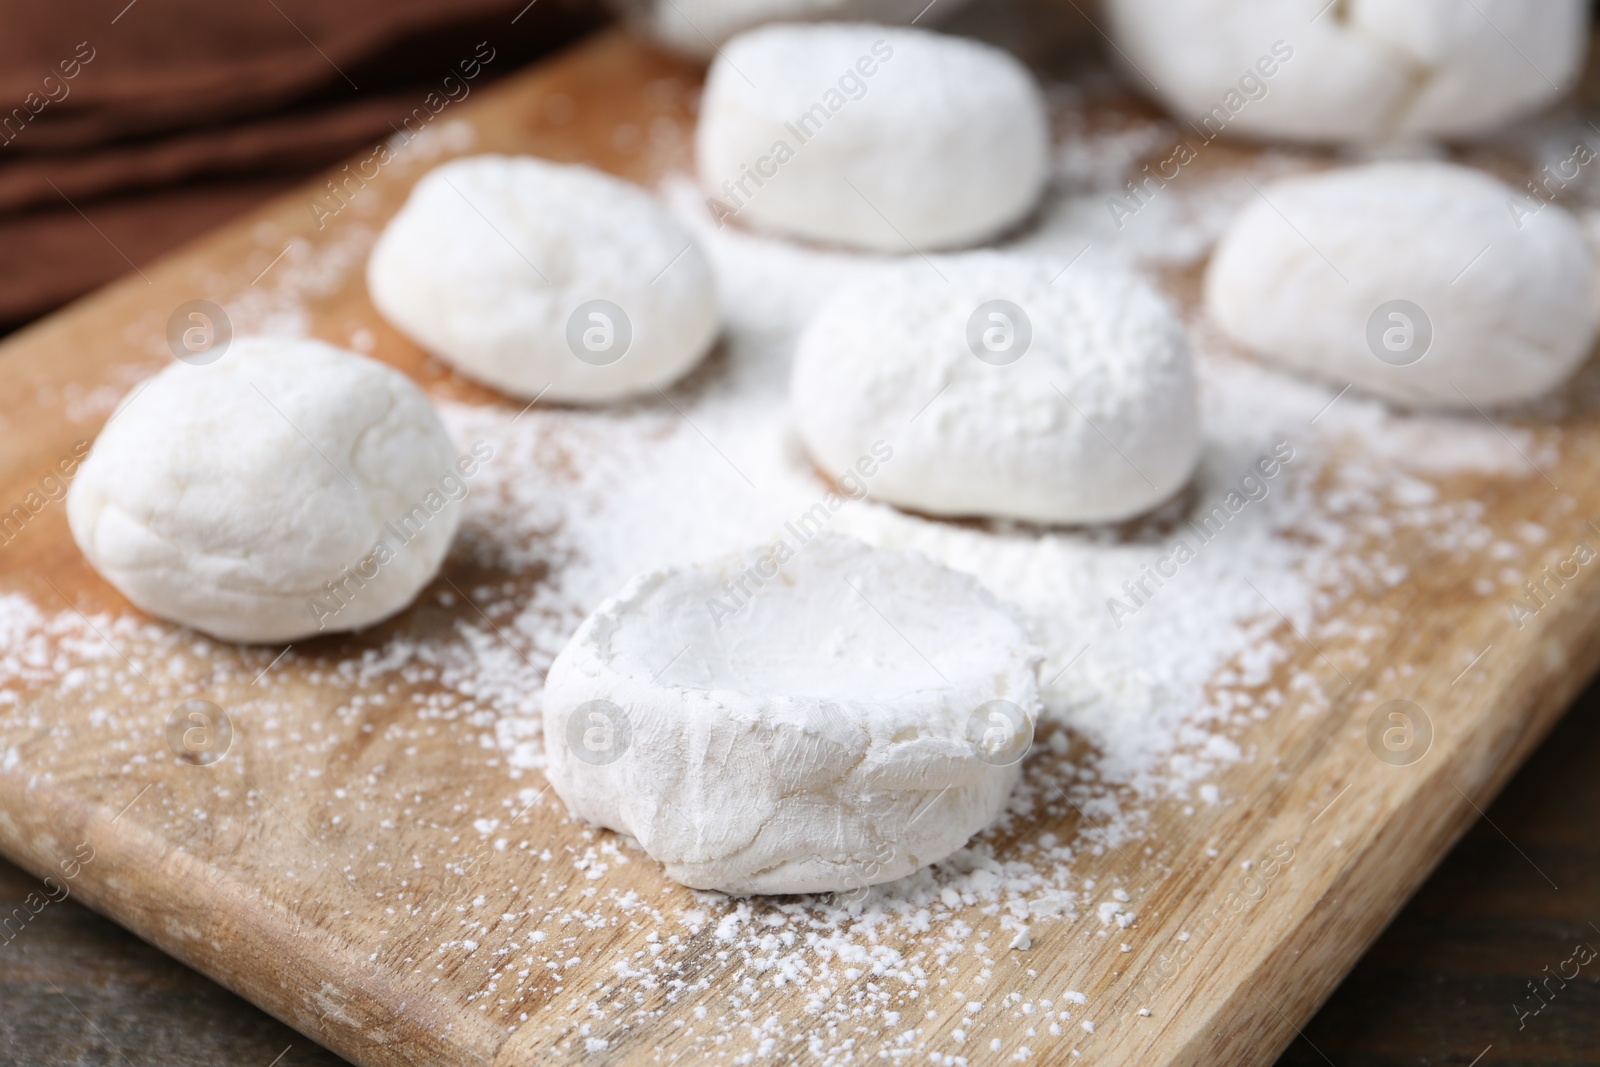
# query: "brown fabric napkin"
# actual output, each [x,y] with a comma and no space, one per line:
[128,128]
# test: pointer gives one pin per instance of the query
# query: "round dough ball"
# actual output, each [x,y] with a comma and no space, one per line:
[545,279]
[759,727]
[1360,71]
[1003,392]
[698,26]
[1426,283]
[291,488]
[889,139]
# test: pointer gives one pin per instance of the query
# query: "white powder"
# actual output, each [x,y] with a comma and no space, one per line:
[1140,717]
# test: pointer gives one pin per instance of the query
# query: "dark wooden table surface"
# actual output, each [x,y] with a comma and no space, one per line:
[1442,987]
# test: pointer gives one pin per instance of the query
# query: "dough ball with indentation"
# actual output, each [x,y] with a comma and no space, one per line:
[875,137]
[1005,388]
[1426,283]
[545,280]
[1351,71]
[291,488]
[794,718]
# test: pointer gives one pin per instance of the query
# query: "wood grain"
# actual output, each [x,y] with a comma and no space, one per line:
[1436,988]
[274,870]
[80,990]
[1441,984]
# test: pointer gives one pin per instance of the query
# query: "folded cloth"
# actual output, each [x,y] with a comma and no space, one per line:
[128,128]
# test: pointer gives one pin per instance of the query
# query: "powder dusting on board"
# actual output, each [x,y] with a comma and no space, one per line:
[1154,667]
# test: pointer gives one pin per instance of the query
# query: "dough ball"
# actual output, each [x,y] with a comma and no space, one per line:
[889,139]
[291,488]
[698,26]
[759,727]
[1426,283]
[1002,392]
[544,278]
[1360,71]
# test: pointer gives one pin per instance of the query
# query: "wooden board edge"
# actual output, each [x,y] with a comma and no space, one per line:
[1436,812]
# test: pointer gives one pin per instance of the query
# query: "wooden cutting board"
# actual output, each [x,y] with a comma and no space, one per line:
[317,867]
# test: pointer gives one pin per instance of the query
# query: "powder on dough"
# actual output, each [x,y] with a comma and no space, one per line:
[1359,71]
[545,279]
[875,137]
[1010,388]
[794,722]
[1426,283]
[287,489]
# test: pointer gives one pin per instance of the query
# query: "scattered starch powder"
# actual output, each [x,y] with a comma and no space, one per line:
[1147,680]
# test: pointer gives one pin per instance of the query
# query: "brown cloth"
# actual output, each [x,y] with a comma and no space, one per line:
[129,128]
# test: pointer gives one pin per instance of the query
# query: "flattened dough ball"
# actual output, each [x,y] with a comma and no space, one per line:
[545,278]
[759,727]
[1009,390]
[288,489]
[1426,283]
[1361,71]
[883,138]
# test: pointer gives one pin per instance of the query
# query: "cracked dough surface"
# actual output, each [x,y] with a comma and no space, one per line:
[813,739]
[1361,70]
[225,496]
